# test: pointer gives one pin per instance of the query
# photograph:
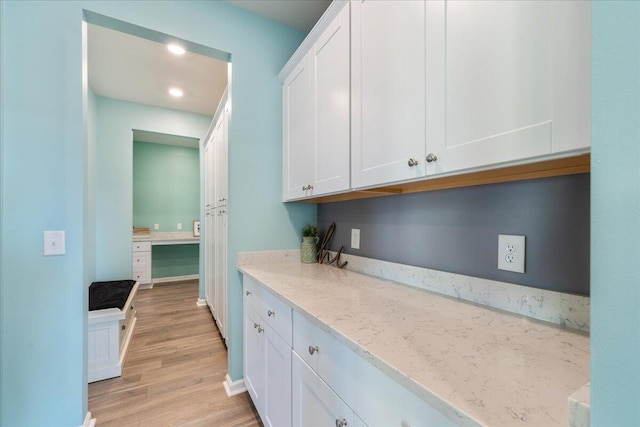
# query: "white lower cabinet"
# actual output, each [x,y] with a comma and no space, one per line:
[314,403]
[297,374]
[267,354]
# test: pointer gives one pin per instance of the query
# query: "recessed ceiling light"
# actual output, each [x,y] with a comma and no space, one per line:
[174,48]
[176,92]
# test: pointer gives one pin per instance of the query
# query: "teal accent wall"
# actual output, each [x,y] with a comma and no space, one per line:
[166,186]
[116,119]
[166,191]
[615,215]
[45,185]
[175,260]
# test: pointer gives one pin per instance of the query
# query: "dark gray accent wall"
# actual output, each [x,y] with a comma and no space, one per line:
[457,230]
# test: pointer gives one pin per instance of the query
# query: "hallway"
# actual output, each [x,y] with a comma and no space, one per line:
[174,370]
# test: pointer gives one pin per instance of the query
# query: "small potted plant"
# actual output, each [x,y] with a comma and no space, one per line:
[308,247]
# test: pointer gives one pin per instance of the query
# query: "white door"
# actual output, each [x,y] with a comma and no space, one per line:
[254,361]
[297,132]
[221,269]
[220,134]
[388,91]
[500,81]
[277,407]
[330,107]
[314,403]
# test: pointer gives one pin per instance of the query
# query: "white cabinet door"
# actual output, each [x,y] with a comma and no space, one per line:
[209,173]
[498,89]
[254,357]
[220,136]
[388,91]
[209,256]
[221,270]
[330,107]
[297,137]
[314,403]
[277,407]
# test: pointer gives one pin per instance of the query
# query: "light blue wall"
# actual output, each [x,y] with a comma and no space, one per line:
[166,186]
[615,215]
[44,299]
[43,179]
[114,155]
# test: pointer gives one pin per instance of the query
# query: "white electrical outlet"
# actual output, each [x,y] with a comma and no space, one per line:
[156,226]
[511,253]
[355,238]
[179,226]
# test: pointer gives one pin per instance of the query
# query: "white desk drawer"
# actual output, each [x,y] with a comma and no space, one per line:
[141,259]
[141,246]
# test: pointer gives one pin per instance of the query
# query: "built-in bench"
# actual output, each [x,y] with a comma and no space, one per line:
[112,318]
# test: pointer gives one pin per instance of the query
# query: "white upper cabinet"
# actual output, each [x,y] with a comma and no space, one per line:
[388,91]
[330,107]
[505,81]
[316,116]
[297,147]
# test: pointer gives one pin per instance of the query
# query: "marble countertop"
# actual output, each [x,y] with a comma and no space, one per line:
[477,365]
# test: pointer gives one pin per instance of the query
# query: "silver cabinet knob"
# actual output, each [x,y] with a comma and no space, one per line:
[431,157]
[124,327]
[341,423]
[270,313]
[247,293]
[313,349]
[304,188]
[412,162]
[309,187]
[255,325]
[260,329]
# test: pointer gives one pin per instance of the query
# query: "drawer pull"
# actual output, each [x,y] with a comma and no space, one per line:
[313,349]
[271,313]
[124,327]
[341,423]
[247,293]
[256,325]
[260,328]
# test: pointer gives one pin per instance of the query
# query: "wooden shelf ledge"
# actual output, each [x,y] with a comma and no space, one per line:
[543,169]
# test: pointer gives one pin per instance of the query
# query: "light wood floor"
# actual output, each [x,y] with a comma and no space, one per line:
[174,370]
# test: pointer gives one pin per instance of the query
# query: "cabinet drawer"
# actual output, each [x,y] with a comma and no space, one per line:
[142,276]
[270,308]
[141,246]
[374,396]
[277,314]
[252,294]
[141,259]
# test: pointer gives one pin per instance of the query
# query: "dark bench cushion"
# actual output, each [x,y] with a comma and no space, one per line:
[111,294]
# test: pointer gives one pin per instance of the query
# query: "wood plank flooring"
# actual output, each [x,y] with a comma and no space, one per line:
[174,371]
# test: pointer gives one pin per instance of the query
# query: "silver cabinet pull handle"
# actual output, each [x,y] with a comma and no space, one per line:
[124,327]
[260,329]
[412,162]
[270,313]
[304,188]
[341,423]
[255,325]
[309,187]
[431,157]
[313,349]
[247,293]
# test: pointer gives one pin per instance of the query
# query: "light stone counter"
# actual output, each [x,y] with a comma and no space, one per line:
[477,365]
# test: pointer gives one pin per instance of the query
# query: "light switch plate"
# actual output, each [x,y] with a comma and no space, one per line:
[511,253]
[156,226]
[179,226]
[54,243]
[355,238]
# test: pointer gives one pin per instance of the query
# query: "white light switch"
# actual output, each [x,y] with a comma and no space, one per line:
[54,243]
[355,238]
[156,226]
[179,226]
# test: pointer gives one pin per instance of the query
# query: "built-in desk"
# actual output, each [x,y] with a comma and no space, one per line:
[142,251]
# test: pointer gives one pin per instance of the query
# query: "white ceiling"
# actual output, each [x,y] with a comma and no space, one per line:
[300,14]
[134,69]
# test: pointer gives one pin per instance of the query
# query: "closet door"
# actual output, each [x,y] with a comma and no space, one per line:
[388,91]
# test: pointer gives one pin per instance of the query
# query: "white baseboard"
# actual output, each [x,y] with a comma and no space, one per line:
[201,302]
[88,421]
[175,278]
[233,387]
